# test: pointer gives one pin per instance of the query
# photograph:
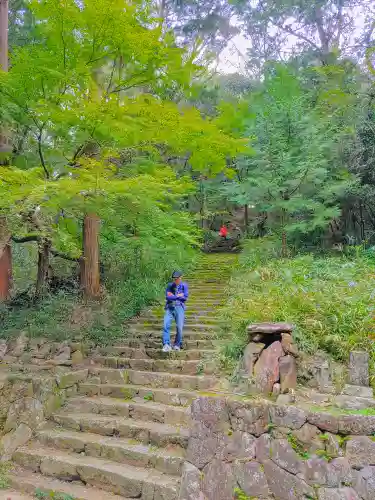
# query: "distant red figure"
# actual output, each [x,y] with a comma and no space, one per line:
[223,232]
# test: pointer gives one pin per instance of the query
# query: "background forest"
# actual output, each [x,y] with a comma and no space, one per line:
[126,120]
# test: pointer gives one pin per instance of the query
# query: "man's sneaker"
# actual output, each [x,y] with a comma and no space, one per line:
[176,348]
[167,348]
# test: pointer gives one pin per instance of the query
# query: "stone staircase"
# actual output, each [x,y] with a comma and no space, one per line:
[124,433]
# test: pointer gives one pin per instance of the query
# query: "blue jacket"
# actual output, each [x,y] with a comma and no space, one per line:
[175,290]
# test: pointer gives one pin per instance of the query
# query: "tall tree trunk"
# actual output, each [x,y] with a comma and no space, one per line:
[5,261]
[90,271]
[4,35]
[5,146]
[246,220]
[5,272]
[43,267]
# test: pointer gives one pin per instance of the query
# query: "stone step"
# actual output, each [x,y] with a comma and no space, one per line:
[146,432]
[155,343]
[115,449]
[27,481]
[153,379]
[121,479]
[134,353]
[154,335]
[195,367]
[136,408]
[158,325]
[190,321]
[168,396]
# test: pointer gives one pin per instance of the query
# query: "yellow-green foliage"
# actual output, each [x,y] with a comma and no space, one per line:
[329,300]
[90,97]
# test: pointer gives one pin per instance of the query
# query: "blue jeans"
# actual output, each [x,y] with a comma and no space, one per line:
[178,315]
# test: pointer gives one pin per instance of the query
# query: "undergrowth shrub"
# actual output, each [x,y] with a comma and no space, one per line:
[329,299]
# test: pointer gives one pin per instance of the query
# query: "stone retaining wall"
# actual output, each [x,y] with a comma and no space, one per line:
[26,400]
[262,450]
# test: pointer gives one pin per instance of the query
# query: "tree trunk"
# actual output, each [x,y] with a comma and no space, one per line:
[5,261]
[90,271]
[5,146]
[4,35]
[5,272]
[246,220]
[43,267]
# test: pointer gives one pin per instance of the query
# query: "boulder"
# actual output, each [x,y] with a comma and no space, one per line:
[359,368]
[71,378]
[249,417]
[18,346]
[365,483]
[352,402]
[11,441]
[285,486]
[308,435]
[250,356]
[266,369]
[288,373]
[251,479]
[218,482]
[237,446]
[288,345]
[360,451]
[203,445]
[270,328]
[63,356]
[324,421]
[3,348]
[77,358]
[212,412]
[285,457]
[359,425]
[332,445]
[331,474]
[358,391]
[288,416]
[263,448]
[28,411]
[337,494]
[190,483]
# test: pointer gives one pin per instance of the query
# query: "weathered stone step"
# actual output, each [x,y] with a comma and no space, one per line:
[134,353]
[28,481]
[152,343]
[158,325]
[155,335]
[117,478]
[195,367]
[116,449]
[190,321]
[154,379]
[146,432]
[168,396]
[136,408]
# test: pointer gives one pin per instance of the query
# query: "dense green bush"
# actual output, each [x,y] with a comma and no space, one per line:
[329,299]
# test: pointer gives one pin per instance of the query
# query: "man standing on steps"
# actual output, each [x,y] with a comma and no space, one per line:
[176,295]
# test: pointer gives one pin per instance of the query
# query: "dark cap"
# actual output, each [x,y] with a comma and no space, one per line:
[176,274]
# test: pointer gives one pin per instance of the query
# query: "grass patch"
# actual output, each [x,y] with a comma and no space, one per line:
[42,495]
[329,299]
[4,479]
